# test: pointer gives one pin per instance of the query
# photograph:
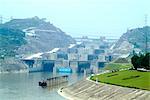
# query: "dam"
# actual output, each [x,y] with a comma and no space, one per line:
[58,66]
[85,55]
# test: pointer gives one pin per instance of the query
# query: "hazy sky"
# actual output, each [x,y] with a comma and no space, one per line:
[82,17]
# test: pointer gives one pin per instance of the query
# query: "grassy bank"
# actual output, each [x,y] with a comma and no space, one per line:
[117,66]
[127,78]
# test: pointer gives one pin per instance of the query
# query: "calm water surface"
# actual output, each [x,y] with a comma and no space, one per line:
[24,86]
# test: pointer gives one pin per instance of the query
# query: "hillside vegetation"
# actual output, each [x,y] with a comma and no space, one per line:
[134,38]
[117,66]
[29,22]
[20,37]
[10,41]
[40,36]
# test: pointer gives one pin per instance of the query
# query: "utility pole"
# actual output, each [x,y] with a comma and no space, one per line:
[146,46]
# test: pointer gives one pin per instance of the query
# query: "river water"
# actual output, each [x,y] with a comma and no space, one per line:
[24,86]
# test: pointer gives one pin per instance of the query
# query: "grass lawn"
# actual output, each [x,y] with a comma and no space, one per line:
[117,66]
[127,78]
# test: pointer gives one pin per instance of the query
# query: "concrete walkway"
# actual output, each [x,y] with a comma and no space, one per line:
[89,90]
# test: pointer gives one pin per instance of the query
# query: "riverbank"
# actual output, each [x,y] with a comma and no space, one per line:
[126,78]
[12,65]
[90,90]
[14,71]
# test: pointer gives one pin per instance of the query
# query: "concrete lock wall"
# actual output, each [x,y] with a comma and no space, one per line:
[83,51]
[30,63]
[58,63]
[101,58]
[48,65]
[73,56]
[37,63]
[92,57]
[83,57]
[53,56]
[101,64]
[83,65]
[72,50]
[65,63]
[99,51]
[74,66]
[62,56]
[94,66]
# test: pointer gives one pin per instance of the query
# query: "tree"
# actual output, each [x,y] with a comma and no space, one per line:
[142,61]
[146,61]
[135,61]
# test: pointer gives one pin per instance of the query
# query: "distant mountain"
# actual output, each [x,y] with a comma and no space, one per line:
[133,39]
[30,22]
[40,35]
[20,37]
[10,41]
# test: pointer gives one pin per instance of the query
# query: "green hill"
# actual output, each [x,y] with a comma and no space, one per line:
[29,22]
[10,41]
[135,37]
[41,36]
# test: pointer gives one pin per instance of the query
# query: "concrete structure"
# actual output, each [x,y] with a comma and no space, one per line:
[89,90]
[87,55]
[53,56]
[74,66]
[73,56]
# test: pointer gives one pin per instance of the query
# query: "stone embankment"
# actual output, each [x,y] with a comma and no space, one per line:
[89,90]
